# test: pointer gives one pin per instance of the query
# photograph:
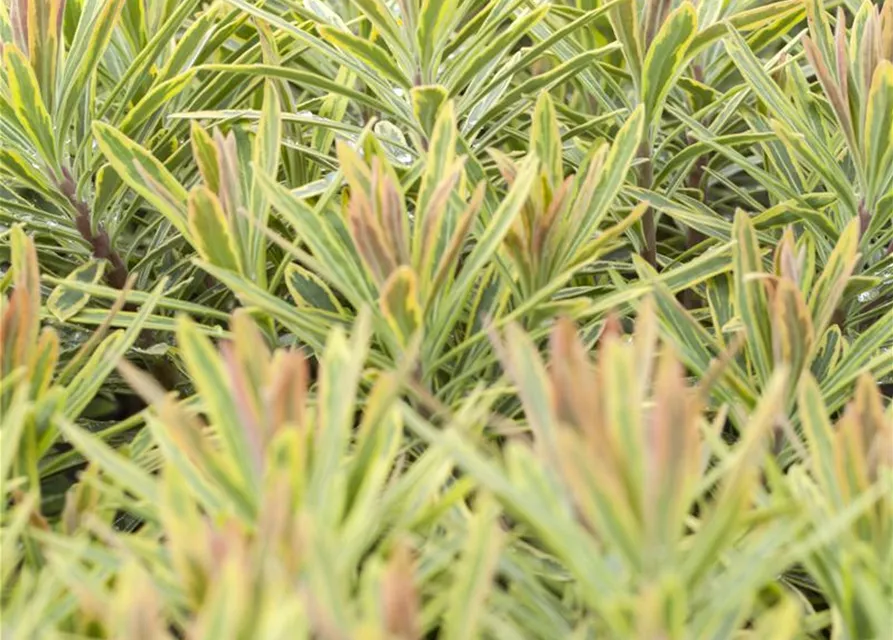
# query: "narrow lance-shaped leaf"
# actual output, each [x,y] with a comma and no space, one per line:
[309,290]
[792,332]
[370,238]
[205,153]
[190,45]
[144,174]
[474,573]
[820,28]
[819,437]
[157,98]
[338,380]
[624,397]
[116,465]
[379,60]
[447,264]
[427,101]
[519,356]
[266,159]
[44,40]
[91,376]
[625,22]
[495,230]
[210,230]
[90,42]
[20,316]
[835,87]
[719,528]
[822,163]
[339,266]
[441,155]
[761,82]
[606,183]
[878,138]
[219,398]
[43,363]
[379,14]
[29,106]
[673,456]
[65,303]
[400,304]
[435,20]
[751,301]
[665,58]
[827,291]
[546,139]
[434,226]
[301,77]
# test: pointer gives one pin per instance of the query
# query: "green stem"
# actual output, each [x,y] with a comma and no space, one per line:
[649,229]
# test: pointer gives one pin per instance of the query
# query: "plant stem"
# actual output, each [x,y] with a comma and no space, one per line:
[648,227]
[99,241]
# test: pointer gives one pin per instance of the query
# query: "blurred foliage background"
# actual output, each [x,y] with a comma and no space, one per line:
[446,318]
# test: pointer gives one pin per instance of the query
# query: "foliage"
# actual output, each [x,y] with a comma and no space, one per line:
[460,318]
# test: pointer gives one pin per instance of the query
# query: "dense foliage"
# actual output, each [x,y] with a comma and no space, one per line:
[446,318]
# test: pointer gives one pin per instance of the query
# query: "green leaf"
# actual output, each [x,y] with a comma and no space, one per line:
[144,174]
[341,268]
[14,165]
[819,437]
[763,85]
[379,60]
[64,302]
[602,183]
[878,132]
[468,65]
[378,13]
[440,159]
[436,17]
[426,103]
[219,398]
[119,467]
[206,157]
[865,353]
[546,139]
[792,333]
[827,291]
[307,327]
[91,39]
[309,290]
[190,45]
[830,170]
[161,95]
[719,528]
[210,232]
[697,348]
[29,106]
[747,20]
[266,156]
[44,37]
[519,356]
[308,79]
[43,363]
[664,61]
[400,304]
[751,302]
[473,576]
[338,380]
[89,379]
[495,230]
[624,16]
